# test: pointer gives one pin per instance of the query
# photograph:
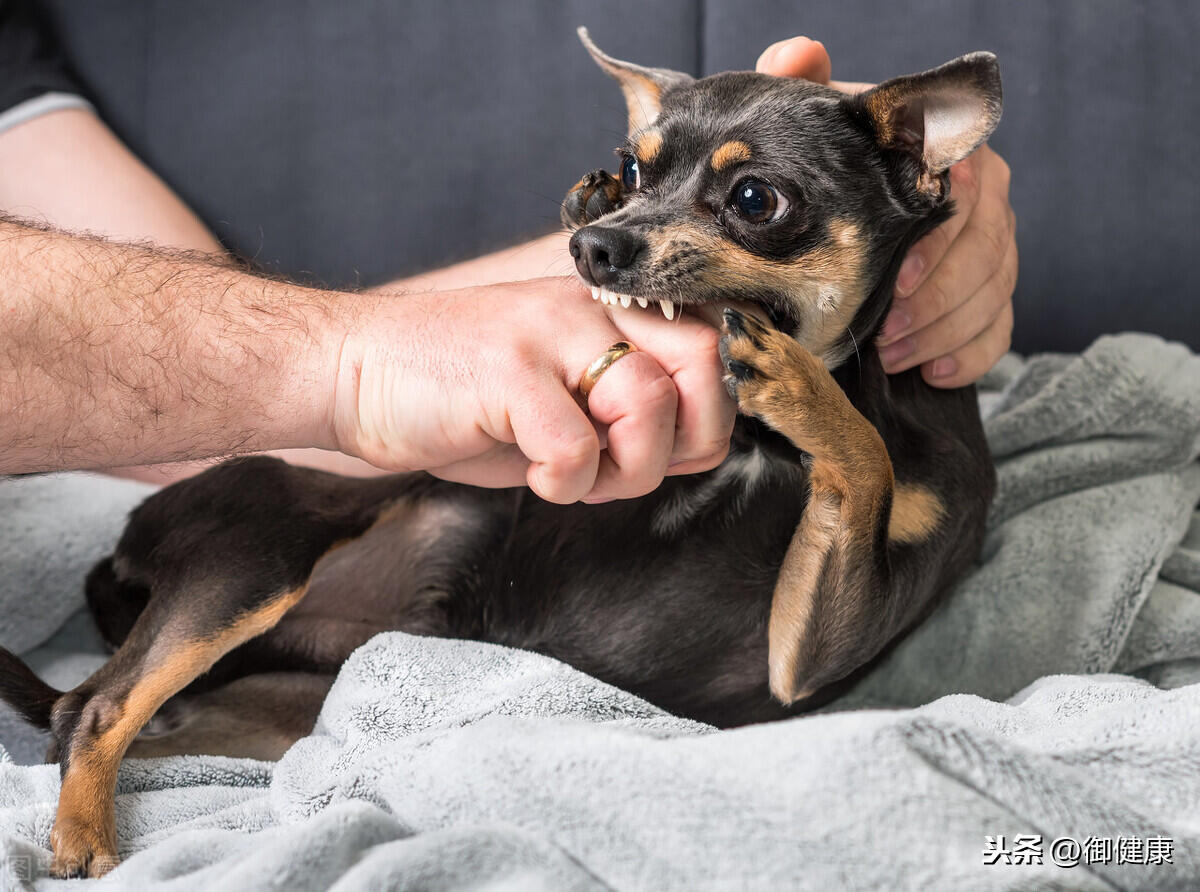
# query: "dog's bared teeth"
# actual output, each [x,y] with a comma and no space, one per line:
[595,293]
[668,308]
[626,300]
[643,303]
[604,296]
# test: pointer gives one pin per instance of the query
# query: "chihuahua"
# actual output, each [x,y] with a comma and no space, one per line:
[848,505]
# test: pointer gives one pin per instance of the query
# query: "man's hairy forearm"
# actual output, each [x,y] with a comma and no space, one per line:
[119,354]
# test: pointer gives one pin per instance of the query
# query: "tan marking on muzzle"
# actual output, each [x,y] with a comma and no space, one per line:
[824,285]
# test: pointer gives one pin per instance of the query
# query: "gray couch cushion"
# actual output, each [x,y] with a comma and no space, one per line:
[358,141]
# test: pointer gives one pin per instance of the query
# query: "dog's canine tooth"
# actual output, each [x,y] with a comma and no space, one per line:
[643,303]
[595,293]
[668,308]
[626,300]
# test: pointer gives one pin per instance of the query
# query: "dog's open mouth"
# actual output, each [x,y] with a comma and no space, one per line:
[709,310]
[616,298]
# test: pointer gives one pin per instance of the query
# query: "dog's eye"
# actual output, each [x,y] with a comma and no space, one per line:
[758,202]
[631,176]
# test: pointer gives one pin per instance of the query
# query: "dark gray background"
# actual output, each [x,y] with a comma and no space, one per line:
[356,141]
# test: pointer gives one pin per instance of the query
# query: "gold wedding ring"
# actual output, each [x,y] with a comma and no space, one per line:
[602,364]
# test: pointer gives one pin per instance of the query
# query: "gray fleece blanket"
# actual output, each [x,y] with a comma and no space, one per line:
[1040,731]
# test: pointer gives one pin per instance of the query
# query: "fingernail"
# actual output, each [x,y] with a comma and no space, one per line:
[897,324]
[944,367]
[676,464]
[910,274]
[893,353]
[596,501]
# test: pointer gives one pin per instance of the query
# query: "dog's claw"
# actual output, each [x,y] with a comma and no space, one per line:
[734,321]
[731,386]
[740,370]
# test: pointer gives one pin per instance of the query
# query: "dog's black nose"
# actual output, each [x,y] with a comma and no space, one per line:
[601,252]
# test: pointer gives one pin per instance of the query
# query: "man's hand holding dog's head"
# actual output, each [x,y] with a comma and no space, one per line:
[952,312]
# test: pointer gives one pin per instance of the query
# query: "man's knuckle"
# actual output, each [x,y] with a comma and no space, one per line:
[1008,277]
[633,484]
[937,243]
[971,365]
[1003,172]
[575,451]
[1007,323]
[938,296]
[523,360]
[705,341]
[962,175]
[965,188]
[1004,342]
[708,447]
[717,456]
[659,393]
[996,236]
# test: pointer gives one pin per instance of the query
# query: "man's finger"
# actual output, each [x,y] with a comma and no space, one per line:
[967,364]
[926,254]
[961,325]
[686,349]
[636,399]
[559,440]
[972,259]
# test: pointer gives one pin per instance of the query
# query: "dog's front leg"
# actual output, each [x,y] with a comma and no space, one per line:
[851,577]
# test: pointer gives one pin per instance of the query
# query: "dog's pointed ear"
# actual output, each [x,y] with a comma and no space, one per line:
[644,88]
[939,116]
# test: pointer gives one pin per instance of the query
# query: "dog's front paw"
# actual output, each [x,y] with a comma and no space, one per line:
[80,850]
[597,194]
[768,373]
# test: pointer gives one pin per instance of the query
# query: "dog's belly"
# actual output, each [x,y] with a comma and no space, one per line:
[677,616]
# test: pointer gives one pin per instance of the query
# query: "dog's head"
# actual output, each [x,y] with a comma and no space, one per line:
[777,191]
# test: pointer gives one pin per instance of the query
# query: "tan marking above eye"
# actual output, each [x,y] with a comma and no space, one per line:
[648,145]
[916,513]
[732,152]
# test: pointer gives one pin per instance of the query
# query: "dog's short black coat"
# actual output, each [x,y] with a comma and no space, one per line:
[848,505]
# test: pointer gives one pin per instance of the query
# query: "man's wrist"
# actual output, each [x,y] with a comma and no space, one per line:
[303,401]
[373,335]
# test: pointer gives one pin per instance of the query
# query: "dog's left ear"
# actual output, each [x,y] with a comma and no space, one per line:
[940,116]
[644,88]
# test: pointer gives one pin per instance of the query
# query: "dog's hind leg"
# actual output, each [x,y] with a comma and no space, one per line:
[224,556]
[94,724]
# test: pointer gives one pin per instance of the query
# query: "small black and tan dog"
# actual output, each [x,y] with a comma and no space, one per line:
[848,505]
